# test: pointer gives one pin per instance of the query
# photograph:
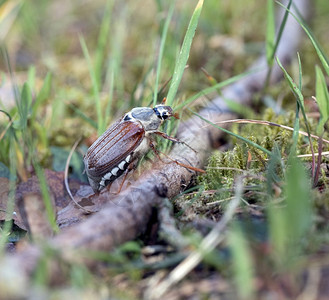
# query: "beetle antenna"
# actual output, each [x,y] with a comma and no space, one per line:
[157,153]
[175,140]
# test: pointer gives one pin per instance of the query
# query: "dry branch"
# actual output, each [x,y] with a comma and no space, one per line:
[127,216]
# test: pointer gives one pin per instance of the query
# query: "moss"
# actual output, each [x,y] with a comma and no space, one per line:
[223,167]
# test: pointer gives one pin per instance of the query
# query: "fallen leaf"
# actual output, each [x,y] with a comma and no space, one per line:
[4,190]
[56,188]
[36,215]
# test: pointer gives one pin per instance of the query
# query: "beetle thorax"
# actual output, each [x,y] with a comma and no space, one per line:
[146,116]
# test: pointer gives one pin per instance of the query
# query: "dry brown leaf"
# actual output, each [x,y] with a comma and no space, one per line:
[56,188]
[29,205]
[4,189]
[36,215]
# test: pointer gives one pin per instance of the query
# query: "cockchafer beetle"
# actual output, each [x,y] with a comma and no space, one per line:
[118,149]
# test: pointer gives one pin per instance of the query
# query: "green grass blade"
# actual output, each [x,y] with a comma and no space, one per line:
[298,94]
[289,224]
[100,121]
[184,53]
[31,77]
[102,41]
[295,133]
[114,79]
[282,26]
[83,116]
[110,98]
[275,162]
[115,57]
[270,32]
[9,11]
[278,234]
[300,101]
[162,44]
[235,135]
[323,58]
[45,90]
[322,99]
[23,106]
[298,197]
[42,96]
[46,196]
[213,88]
[243,268]
[6,60]
[300,72]
[276,45]
[293,86]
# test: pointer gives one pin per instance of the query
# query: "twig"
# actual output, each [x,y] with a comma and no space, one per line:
[315,154]
[267,123]
[311,289]
[212,240]
[168,229]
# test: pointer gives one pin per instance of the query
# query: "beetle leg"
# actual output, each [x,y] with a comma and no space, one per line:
[155,150]
[122,182]
[175,140]
[108,187]
[131,167]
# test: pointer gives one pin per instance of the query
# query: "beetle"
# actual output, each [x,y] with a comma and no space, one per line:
[118,149]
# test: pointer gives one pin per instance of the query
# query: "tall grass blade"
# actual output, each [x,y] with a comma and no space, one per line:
[275,162]
[8,13]
[242,263]
[184,53]
[162,44]
[6,59]
[300,101]
[23,107]
[115,58]
[295,133]
[31,75]
[322,98]
[110,97]
[83,116]
[290,224]
[46,196]
[300,73]
[323,58]
[297,92]
[100,121]
[102,42]
[276,45]
[270,32]
[235,135]
[213,88]
[42,96]
[278,234]
[298,197]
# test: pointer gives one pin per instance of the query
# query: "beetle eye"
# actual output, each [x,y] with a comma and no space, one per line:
[164,116]
[157,113]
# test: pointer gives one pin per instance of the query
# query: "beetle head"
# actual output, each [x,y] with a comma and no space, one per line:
[164,112]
